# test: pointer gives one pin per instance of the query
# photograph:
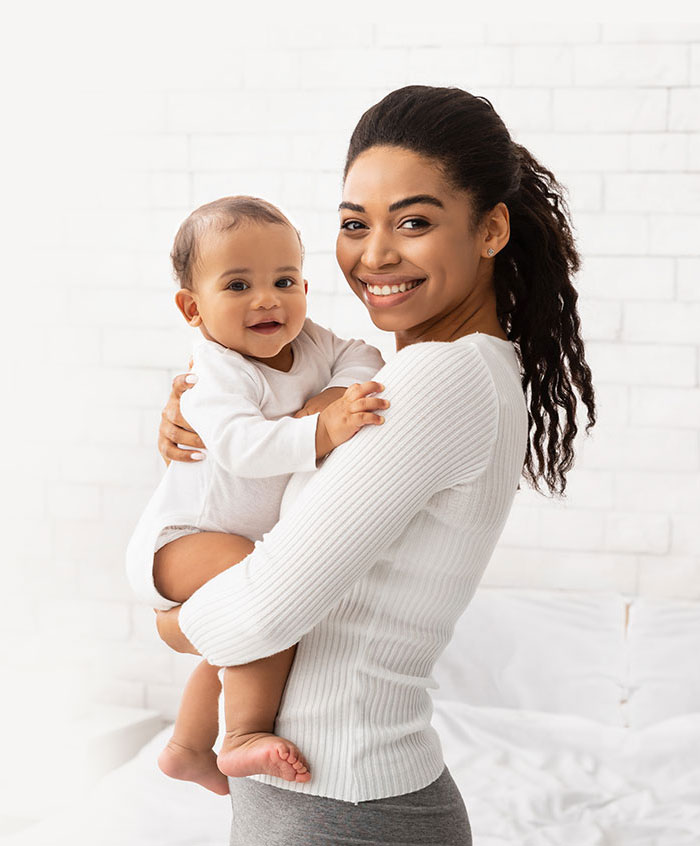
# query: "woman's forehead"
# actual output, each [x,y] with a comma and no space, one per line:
[386,175]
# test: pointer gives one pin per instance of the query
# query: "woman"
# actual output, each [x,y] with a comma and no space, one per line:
[456,240]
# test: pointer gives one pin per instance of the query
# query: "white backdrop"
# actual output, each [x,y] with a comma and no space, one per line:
[117,127]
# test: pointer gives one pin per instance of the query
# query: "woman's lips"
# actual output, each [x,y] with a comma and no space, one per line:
[268,328]
[385,300]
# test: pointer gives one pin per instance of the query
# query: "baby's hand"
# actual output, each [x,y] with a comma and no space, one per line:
[340,420]
[320,401]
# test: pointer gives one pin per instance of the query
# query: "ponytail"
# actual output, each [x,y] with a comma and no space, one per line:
[536,304]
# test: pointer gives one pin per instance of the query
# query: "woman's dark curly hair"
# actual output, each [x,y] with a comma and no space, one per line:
[535,297]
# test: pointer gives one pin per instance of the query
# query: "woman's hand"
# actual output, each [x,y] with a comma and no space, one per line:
[174,429]
[168,624]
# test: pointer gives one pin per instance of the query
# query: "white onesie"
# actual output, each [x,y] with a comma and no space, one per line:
[240,408]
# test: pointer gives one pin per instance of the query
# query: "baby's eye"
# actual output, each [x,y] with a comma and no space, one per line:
[232,285]
[286,279]
[349,225]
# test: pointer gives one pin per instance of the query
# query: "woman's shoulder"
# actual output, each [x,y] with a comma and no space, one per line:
[470,382]
[464,357]
[417,360]
[439,379]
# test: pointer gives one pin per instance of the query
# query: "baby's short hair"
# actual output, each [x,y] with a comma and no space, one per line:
[221,215]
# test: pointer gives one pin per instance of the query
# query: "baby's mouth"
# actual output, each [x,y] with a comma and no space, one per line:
[266,326]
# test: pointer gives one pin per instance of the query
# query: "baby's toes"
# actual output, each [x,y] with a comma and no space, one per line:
[284,752]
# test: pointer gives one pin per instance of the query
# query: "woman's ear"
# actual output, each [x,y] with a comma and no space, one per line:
[187,304]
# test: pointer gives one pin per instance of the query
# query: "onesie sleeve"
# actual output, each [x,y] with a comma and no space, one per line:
[438,431]
[351,360]
[223,407]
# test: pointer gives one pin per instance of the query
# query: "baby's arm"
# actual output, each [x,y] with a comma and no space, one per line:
[224,407]
[351,360]
[318,402]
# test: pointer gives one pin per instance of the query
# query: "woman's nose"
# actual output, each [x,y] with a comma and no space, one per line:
[379,251]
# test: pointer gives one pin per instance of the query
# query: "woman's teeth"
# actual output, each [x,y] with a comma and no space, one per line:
[385,290]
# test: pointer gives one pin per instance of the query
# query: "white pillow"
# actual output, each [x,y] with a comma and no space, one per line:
[538,650]
[664,645]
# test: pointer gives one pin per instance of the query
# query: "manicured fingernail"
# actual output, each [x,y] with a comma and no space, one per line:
[197,456]
[191,378]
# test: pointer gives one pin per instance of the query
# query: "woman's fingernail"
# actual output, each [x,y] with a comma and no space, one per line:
[197,456]
[191,378]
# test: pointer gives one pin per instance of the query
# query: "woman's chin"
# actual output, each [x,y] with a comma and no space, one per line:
[389,322]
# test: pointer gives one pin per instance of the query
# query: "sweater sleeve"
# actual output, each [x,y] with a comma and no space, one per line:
[352,360]
[223,407]
[439,431]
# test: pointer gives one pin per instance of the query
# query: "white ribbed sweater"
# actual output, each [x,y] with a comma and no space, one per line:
[375,557]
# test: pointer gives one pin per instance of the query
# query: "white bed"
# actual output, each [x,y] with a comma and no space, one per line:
[566,719]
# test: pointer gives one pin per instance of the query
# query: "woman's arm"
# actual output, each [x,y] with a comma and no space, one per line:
[167,623]
[439,431]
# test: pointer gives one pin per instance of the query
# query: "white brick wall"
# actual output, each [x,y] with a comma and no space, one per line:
[94,338]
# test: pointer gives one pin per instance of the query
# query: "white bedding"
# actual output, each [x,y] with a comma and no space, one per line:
[566,720]
[527,778]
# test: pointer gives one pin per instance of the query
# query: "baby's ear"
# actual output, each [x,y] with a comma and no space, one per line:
[306,286]
[187,304]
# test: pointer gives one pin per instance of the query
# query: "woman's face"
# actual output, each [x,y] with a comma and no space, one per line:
[405,244]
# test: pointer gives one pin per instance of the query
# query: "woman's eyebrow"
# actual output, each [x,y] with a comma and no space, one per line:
[399,204]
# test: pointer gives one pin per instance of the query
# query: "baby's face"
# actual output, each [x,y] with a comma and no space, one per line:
[249,290]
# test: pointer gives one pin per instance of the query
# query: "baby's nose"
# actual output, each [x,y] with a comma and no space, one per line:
[266,299]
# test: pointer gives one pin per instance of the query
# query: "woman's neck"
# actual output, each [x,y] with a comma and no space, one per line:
[465,319]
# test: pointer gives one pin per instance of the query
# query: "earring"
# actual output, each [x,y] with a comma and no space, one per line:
[490,251]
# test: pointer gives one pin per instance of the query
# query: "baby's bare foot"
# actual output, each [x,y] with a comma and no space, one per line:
[262,752]
[179,761]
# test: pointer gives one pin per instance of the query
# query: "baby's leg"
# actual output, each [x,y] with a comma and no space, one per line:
[188,754]
[179,569]
[184,565]
[252,695]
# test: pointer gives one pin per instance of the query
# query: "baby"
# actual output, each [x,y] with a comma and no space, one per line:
[275,393]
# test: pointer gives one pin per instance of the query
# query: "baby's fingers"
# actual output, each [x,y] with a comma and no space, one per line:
[368,404]
[361,389]
[362,418]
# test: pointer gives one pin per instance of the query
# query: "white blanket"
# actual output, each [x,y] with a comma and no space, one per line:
[528,778]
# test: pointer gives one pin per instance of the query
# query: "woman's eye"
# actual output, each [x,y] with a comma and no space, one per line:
[420,223]
[287,279]
[233,286]
[351,225]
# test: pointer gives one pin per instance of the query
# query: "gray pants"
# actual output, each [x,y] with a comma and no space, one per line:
[264,815]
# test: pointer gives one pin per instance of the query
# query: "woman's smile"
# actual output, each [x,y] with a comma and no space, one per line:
[383,290]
